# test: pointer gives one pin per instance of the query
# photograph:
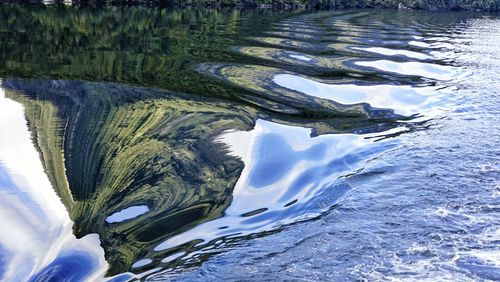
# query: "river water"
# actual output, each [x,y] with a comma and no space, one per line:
[194,144]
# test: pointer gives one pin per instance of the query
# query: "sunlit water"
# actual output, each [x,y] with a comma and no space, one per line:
[249,145]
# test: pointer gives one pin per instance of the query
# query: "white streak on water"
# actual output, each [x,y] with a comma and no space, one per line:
[428,70]
[394,52]
[300,57]
[141,263]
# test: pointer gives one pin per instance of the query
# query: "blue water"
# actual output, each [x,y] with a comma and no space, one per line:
[425,208]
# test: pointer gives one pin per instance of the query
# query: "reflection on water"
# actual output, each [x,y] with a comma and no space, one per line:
[395,52]
[37,236]
[169,139]
[288,176]
[126,147]
[411,68]
[155,165]
[405,100]
[127,213]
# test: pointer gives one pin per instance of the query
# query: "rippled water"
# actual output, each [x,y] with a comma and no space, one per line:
[138,142]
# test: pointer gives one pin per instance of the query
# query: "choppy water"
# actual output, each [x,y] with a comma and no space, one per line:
[138,142]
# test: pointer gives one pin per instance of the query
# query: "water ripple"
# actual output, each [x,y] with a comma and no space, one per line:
[350,145]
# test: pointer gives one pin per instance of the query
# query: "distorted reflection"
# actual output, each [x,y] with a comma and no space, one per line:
[37,236]
[180,175]
[141,148]
[404,100]
[288,176]
[427,70]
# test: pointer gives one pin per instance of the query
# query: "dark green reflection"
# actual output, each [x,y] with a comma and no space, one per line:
[121,147]
[106,147]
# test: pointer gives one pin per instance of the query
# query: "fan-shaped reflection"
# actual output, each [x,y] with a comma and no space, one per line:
[141,165]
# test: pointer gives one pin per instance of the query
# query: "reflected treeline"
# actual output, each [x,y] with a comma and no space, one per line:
[136,44]
[142,46]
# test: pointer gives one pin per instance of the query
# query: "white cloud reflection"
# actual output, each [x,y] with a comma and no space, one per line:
[403,99]
[36,228]
[285,176]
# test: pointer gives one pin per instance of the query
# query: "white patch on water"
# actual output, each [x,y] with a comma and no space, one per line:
[141,263]
[300,57]
[37,228]
[173,257]
[428,70]
[419,44]
[127,213]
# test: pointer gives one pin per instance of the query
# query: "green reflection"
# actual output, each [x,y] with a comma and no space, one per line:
[140,45]
[121,147]
[107,146]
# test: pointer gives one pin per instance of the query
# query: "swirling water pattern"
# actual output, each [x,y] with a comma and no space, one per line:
[342,145]
[428,210]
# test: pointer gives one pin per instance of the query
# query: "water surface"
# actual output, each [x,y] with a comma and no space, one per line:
[140,142]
